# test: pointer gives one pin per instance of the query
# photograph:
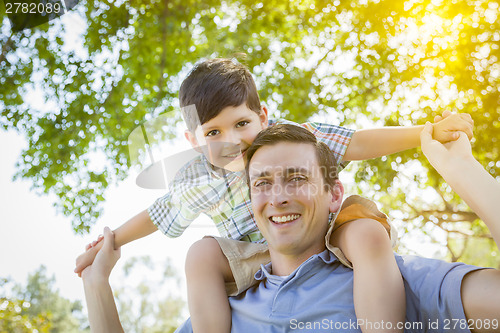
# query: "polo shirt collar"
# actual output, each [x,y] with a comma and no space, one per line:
[264,272]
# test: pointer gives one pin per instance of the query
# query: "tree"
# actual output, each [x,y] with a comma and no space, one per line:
[386,62]
[37,307]
[442,56]
[14,317]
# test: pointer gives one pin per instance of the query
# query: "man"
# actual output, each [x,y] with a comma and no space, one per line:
[293,190]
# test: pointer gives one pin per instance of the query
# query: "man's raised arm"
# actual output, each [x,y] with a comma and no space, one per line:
[480,290]
[103,315]
[466,176]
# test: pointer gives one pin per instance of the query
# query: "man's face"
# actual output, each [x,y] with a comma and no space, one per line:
[225,138]
[289,198]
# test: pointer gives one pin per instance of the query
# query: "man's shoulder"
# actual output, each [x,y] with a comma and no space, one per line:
[416,267]
[186,327]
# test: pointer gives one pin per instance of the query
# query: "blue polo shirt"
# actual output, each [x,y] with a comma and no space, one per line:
[317,297]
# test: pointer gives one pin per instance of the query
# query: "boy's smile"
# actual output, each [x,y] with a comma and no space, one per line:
[225,138]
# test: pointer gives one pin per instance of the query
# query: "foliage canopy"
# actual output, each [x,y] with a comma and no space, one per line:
[388,62]
[38,307]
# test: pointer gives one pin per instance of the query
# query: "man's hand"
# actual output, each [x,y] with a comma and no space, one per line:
[103,315]
[105,259]
[448,126]
[438,153]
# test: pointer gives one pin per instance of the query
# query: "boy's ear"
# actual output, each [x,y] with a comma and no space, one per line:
[263,116]
[191,137]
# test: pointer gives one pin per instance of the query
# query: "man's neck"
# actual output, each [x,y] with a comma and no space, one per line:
[284,264]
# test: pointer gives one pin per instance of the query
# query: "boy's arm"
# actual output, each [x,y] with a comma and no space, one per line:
[137,227]
[377,142]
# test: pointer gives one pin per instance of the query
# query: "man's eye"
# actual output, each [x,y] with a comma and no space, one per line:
[242,123]
[261,183]
[298,178]
[212,133]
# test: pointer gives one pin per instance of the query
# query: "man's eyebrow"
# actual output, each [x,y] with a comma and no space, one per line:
[288,171]
[292,170]
[262,174]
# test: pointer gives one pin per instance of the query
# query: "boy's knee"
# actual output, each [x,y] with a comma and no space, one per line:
[204,253]
[369,235]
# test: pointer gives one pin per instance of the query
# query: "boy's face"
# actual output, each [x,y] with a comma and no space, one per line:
[225,138]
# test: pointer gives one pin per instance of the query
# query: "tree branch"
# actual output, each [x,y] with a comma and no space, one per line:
[446,203]
[439,224]
[463,216]
[454,257]
[6,48]
[163,22]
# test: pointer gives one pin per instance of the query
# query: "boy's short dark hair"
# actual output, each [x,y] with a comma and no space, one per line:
[213,85]
[296,134]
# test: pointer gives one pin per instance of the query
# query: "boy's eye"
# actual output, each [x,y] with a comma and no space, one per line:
[212,133]
[242,123]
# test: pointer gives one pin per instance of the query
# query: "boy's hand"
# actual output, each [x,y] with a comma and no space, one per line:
[446,128]
[438,154]
[105,259]
[87,258]
[94,243]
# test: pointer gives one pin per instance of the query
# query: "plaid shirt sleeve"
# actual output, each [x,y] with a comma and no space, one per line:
[335,137]
[192,192]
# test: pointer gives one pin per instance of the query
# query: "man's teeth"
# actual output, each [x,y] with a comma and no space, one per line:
[234,155]
[282,219]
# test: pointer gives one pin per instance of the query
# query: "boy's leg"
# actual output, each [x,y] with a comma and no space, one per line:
[207,270]
[379,296]
[210,265]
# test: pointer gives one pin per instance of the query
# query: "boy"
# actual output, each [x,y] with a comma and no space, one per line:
[226,118]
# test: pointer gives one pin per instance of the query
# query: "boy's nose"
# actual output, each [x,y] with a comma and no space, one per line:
[232,137]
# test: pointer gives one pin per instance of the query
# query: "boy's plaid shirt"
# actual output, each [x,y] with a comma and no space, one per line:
[224,196]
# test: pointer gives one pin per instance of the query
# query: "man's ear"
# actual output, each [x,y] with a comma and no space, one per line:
[337,194]
[191,137]
[263,116]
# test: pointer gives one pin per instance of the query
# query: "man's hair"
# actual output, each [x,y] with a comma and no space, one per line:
[213,85]
[296,134]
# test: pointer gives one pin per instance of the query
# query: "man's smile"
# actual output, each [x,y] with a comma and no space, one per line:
[284,218]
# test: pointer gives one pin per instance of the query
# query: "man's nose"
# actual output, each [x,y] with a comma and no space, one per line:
[279,197]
